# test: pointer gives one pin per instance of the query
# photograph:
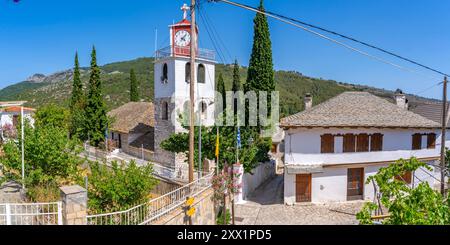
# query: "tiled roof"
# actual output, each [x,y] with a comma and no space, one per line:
[432,111]
[358,109]
[133,116]
[18,109]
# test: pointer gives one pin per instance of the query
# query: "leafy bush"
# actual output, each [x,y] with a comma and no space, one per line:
[407,206]
[219,219]
[117,187]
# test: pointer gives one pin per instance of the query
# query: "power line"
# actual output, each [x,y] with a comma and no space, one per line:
[291,21]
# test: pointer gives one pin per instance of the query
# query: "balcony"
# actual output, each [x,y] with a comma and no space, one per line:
[313,161]
[177,51]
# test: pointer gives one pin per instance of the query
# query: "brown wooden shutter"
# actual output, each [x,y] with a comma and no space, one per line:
[407,177]
[417,141]
[376,142]
[327,143]
[362,144]
[431,141]
[349,143]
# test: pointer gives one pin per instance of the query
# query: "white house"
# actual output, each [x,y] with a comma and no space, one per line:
[9,118]
[332,148]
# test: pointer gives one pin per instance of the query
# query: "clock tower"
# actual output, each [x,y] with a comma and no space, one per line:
[172,69]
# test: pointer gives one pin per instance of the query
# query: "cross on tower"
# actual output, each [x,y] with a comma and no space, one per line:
[185,8]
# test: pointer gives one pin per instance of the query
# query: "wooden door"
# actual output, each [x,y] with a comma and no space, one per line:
[355,183]
[303,188]
[15,120]
[120,141]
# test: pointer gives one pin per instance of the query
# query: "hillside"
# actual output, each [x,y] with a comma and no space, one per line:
[115,76]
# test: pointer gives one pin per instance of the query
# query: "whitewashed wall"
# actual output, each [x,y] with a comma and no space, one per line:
[261,174]
[7,118]
[331,185]
[303,146]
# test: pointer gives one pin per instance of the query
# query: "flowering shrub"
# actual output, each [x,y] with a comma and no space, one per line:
[9,131]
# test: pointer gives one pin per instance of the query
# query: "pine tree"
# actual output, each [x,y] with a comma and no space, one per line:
[134,93]
[237,85]
[96,118]
[77,104]
[260,71]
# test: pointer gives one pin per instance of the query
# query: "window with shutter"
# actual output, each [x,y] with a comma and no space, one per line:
[407,177]
[431,141]
[376,142]
[327,143]
[349,143]
[362,144]
[417,141]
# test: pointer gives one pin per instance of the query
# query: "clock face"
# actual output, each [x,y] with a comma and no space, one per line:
[182,38]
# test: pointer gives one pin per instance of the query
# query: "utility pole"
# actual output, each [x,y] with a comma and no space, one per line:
[444,127]
[191,92]
[22,145]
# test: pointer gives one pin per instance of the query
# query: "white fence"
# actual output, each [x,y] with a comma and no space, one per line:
[31,213]
[154,209]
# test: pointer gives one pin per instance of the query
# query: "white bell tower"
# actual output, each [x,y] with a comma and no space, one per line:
[171,86]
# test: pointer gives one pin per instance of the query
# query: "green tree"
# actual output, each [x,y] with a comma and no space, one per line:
[51,158]
[77,104]
[237,85]
[406,206]
[134,93]
[96,118]
[221,88]
[117,187]
[52,115]
[260,74]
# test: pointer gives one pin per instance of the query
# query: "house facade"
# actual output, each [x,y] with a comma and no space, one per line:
[10,119]
[332,148]
[132,129]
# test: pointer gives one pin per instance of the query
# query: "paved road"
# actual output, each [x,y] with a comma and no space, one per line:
[266,207]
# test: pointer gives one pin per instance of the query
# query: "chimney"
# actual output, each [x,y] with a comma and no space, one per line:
[308,101]
[400,99]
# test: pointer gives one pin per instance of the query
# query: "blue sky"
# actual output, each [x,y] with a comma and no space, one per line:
[42,36]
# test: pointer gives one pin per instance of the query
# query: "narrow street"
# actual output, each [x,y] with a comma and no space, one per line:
[266,207]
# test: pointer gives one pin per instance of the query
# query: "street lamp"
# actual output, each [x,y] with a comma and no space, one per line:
[19,103]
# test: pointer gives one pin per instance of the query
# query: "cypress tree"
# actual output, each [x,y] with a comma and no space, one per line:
[221,88]
[260,71]
[134,93]
[237,85]
[96,118]
[77,104]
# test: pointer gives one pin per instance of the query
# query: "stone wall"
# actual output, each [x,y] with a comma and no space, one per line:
[74,205]
[204,215]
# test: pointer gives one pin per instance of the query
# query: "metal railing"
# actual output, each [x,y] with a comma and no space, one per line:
[155,209]
[184,52]
[31,213]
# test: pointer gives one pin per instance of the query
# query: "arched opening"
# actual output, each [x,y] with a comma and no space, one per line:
[188,72]
[201,74]
[165,74]
[165,110]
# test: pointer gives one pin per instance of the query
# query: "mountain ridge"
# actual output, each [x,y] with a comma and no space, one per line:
[40,89]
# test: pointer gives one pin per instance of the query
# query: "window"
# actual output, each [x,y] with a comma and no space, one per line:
[165,74]
[349,143]
[327,143]
[362,144]
[201,76]
[187,72]
[376,142]
[273,149]
[417,141]
[165,111]
[15,120]
[431,141]
[406,177]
